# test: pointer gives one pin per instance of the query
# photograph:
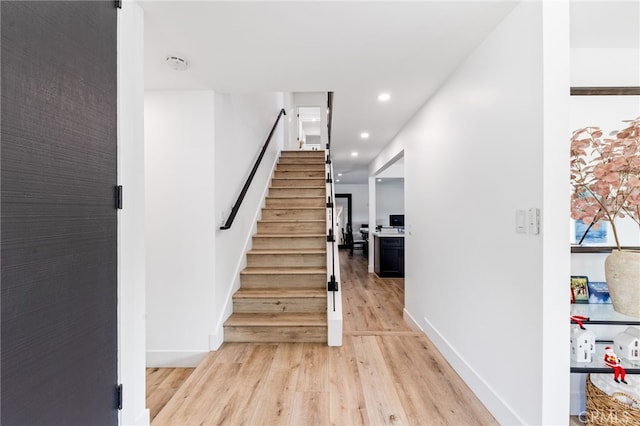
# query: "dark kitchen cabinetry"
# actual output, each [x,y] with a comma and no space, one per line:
[389,256]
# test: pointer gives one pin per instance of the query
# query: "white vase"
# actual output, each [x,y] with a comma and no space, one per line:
[622,271]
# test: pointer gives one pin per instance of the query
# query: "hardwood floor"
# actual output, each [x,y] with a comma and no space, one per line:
[383,374]
[162,384]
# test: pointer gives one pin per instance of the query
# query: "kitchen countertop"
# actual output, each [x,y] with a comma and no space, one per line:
[388,235]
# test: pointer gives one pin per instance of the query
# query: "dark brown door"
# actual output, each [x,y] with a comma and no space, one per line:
[58,225]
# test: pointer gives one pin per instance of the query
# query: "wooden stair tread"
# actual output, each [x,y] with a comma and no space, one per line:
[295,208]
[278,319]
[292,153]
[254,270]
[295,197]
[275,178]
[287,251]
[300,187]
[291,220]
[263,235]
[302,152]
[281,293]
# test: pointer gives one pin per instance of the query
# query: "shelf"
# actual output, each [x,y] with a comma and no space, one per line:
[599,249]
[602,313]
[605,91]
[598,366]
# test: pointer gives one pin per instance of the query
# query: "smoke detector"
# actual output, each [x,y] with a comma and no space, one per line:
[177,63]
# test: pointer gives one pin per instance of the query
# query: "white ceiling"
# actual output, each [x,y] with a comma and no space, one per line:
[356,49]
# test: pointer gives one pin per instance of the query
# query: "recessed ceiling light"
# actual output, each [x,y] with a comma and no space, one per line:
[364,135]
[384,97]
[337,180]
[177,63]
[379,180]
[354,154]
[339,174]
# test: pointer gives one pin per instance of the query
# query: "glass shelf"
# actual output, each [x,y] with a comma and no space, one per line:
[598,366]
[602,313]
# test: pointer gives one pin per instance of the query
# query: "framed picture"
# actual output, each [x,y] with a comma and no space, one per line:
[579,289]
[586,235]
[598,292]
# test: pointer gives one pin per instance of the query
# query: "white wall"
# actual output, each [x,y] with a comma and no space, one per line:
[289,125]
[605,66]
[359,202]
[179,225]
[389,200]
[131,252]
[471,282]
[243,122]
[199,149]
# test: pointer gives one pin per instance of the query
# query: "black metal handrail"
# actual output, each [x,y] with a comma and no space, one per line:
[245,188]
[332,284]
[329,117]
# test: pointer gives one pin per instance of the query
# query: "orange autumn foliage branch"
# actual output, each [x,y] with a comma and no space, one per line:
[605,175]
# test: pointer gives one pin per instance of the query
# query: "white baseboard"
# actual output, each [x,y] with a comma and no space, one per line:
[174,359]
[142,419]
[216,340]
[411,321]
[494,403]
[334,319]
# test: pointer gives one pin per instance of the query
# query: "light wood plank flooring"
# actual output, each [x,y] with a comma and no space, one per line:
[383,374]
[162,384]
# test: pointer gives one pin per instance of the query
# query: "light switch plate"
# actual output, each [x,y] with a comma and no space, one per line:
[534,221]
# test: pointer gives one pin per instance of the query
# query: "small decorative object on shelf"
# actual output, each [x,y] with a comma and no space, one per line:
[627,344]
[583,344]
[598,292]
[612,360]
[579,289]
[579,319]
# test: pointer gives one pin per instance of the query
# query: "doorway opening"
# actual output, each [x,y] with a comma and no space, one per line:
[309,128]
[343,218]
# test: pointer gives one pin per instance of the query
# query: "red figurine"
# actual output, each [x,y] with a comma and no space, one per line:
[612,360]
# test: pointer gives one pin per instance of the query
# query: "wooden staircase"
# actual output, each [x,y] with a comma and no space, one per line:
[283,289]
